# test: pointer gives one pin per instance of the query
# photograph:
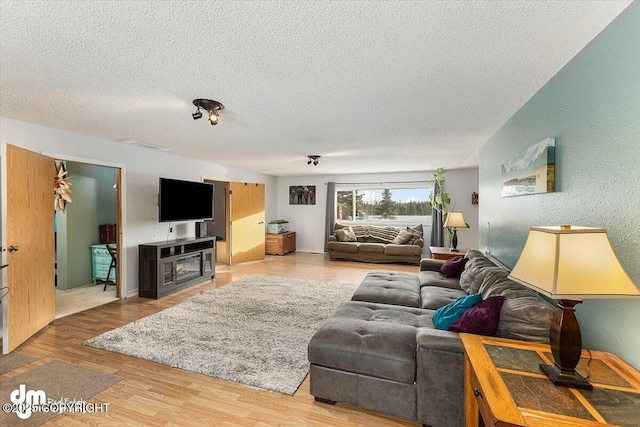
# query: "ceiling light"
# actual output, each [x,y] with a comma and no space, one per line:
[213,117]
[209,105]
[315,159]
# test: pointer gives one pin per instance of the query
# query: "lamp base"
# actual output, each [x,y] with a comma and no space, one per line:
[566,346]
[564,379]
[454,250]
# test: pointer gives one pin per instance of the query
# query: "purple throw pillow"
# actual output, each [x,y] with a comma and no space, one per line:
[481,319]
[453,267]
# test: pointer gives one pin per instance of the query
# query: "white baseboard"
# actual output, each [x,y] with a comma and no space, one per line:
[132,293]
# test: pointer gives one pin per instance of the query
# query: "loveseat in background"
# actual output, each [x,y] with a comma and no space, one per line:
[378,244]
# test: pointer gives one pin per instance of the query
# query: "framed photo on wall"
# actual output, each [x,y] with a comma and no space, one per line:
[531,171]
[302,194]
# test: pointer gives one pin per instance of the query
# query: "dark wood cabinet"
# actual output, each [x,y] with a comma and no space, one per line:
[165,267]
[280,244]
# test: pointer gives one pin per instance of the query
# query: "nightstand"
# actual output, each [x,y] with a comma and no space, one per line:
[445,253]
[505,387]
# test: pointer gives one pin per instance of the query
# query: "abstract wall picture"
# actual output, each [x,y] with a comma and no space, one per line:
[531,171]
[302,194]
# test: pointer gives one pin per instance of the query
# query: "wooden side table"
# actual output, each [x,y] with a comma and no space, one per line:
[280,244]
[505,387]
[445,253]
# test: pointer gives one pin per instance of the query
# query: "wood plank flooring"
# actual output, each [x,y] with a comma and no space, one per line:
[156,395]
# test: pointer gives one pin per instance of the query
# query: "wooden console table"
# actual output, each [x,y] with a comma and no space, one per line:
[505,387]
[445,253]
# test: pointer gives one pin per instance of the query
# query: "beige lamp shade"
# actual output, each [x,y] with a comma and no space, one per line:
[455,219]
[568,262]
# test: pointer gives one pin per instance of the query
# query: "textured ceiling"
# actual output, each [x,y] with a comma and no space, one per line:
[372,86]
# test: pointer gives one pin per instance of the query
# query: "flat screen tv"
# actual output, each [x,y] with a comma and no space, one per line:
[184,200]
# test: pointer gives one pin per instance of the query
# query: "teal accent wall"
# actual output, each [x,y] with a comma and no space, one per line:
[592,108]
[94,203]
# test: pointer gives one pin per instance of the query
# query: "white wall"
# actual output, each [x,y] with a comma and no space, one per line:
[308,220]
[143,167]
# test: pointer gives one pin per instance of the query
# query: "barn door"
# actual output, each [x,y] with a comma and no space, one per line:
[30,249]
[247,222]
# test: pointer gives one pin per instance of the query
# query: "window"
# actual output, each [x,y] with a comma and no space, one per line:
[392,205]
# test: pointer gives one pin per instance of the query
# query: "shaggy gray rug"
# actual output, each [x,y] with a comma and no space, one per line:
[253,331]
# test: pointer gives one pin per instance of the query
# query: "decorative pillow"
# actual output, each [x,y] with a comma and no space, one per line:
[445,316]
[453,266]
[346,235]
[403,238]
[417,233]
[481,319]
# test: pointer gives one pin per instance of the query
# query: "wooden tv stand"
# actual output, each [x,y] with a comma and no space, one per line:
[168,266]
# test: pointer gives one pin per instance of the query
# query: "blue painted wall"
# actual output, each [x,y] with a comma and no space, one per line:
[592,108]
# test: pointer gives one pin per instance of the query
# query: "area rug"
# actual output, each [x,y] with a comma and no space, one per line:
[253,331]
[14,360]
[59,380]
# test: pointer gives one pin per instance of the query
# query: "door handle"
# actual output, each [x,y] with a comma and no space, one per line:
[13,248]
[261,222]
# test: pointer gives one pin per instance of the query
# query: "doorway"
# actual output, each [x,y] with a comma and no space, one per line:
[238,224]
[86,273]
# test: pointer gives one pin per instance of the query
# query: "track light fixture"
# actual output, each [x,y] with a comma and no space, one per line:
[210,106]
[313,159]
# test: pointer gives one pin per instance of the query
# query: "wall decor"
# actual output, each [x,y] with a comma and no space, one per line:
[61,187]
[302,194]
[531,171]
[474,198]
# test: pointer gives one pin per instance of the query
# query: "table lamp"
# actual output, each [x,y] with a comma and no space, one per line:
[455,220]
[570,263]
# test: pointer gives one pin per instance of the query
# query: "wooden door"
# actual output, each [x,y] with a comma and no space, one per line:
[247,222]
[30,303]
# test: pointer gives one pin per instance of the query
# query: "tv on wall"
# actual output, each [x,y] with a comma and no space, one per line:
[184,200]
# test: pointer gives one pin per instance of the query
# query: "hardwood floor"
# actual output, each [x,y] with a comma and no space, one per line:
[156,395]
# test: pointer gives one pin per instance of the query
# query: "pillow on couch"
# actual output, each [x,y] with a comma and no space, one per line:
[481,319]
[417,231]
[448,314]
[346,234]
[358,230]
[453,267]
[403,237]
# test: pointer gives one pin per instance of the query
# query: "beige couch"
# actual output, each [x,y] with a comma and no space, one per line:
[377,244]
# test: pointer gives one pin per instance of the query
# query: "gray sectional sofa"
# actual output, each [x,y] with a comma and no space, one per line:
[377,244]
[381,350]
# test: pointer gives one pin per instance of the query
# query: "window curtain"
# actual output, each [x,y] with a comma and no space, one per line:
[330,213]
[437,229]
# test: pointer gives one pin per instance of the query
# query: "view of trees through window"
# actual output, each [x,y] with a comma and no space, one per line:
[400,205]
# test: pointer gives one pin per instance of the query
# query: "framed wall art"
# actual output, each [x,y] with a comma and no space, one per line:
[531,171]
[302,194]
